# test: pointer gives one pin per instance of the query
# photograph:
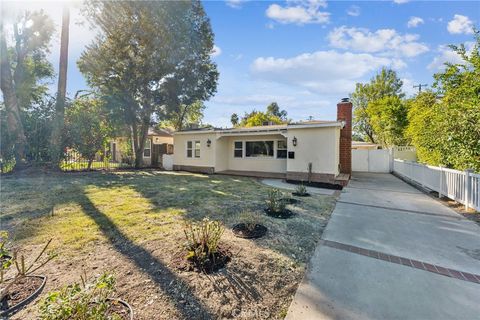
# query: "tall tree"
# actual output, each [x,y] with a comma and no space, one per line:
[388,118]
[16,139]
[152,57]
[274,109]
[62,89]
[384,84]
[27,60]
[184,116]
[445,124]
[234,119]
[87,127]
[259,118]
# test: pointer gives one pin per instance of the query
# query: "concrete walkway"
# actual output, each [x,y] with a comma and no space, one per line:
[391,252]
[280,184]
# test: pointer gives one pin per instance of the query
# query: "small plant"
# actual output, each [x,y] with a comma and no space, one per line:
[202,242]
[250,220]
[79,301]
[5,255]
[23,268]
[301,189]
[276,201]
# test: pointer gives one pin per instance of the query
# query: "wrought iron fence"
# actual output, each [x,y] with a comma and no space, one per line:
[74,161]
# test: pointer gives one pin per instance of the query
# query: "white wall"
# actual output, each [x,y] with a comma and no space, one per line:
[320,146]
[251,164]
[207,154]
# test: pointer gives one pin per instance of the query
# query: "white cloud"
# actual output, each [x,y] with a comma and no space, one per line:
[386,41]
[353,11]
[460,24]
[415,22]
[401,1]
[321,71]
[447,55]
[216,51]
[236,4]
[299,12]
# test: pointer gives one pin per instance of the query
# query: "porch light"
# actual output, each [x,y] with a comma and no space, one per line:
[209,142]
[294,141]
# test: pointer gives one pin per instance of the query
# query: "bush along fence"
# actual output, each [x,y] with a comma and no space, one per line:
[461,186]
[74,161]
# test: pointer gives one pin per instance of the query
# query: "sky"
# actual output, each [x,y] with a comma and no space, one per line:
[304,55]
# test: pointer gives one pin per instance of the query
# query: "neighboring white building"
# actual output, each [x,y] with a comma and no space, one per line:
[158,143]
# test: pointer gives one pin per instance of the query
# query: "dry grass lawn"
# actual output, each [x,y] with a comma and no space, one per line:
[131,223]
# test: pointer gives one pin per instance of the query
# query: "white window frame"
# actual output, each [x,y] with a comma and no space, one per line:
[193,149]
[149,148]
[277,149]
[235,149]
[264,157]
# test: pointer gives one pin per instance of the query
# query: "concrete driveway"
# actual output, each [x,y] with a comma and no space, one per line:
[391,252]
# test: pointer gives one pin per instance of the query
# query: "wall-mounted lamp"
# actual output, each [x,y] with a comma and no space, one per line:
[294,141]
[209,142]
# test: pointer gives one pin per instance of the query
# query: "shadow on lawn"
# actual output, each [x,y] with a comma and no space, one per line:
[155,268]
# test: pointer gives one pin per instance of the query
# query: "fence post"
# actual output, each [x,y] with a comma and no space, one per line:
[468,186]
[441,183]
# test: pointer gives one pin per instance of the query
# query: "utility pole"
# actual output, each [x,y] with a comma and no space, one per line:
[420,86]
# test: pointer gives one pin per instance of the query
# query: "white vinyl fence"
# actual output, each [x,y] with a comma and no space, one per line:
[461,186]
[373,160]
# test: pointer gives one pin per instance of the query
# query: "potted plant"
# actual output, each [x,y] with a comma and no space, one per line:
[301,191]
[249,226]
[86,300]
[202,244]
[24,286]
[276,205]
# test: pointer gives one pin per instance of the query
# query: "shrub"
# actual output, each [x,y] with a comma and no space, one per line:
[276,201]
[81,301]
[202,242]
[23,267]
[301,189]
[249,219]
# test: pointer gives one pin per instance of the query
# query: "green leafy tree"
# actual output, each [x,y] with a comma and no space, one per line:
[87,127]
[445,125]
[388,119]
[384,84]
[274,109]
[234,119]
[185,116]
[150,57]
[24,67]
[424,132]
[258,118]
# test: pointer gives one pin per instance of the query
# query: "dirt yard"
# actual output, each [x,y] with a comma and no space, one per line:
[131,224]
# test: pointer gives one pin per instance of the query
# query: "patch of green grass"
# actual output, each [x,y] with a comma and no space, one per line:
[140,206]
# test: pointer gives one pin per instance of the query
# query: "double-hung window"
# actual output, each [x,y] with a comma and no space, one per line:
[193,149]
[282,149]
[147,151]
[238,149]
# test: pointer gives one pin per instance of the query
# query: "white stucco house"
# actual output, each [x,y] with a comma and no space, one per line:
[317,151]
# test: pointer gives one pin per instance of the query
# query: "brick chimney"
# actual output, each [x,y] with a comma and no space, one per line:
[344,113]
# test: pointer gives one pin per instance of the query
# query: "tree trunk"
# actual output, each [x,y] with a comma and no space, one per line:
[14,122]
[56,141]
[89,165]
